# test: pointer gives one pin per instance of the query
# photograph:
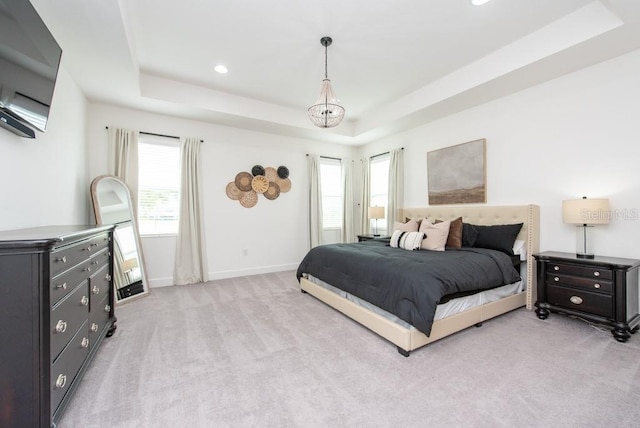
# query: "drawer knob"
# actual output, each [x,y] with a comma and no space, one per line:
[108,277]
[556,279]
[575,300]
[94,327]
[556,268]
[88,248]
[95,262]
[107,308]
[96,289]
[85,342]
[61,381]
[84,301]
[87,269]
[61,326]
[62,259]
[596,273]
[63,286]
[596,285]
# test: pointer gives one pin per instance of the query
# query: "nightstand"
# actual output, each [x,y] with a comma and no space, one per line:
[603,290]
[369,237]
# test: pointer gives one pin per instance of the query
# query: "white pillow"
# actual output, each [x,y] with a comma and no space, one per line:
[409,226]
[406,240]
[519,249]
[436,234]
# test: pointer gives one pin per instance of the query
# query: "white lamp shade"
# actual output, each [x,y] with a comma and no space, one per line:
[376,212]
[586,211]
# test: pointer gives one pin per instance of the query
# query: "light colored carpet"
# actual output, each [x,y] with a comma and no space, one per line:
[256,352]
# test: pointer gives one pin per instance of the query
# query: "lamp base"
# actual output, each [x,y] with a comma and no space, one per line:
[585,256]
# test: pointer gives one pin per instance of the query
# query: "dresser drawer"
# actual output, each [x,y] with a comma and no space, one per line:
[99,284]
[98,318]
[578,300]
[580,282]
[66,367]
[98,260]
[64,258]
[98,243]
[66,282]
[67,316]
[601,273]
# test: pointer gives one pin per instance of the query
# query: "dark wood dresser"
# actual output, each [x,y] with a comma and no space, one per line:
[56,307]
[603,290]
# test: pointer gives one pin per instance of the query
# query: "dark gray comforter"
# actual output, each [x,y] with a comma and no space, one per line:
[409,284]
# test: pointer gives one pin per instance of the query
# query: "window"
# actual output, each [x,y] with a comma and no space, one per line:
[379,187]
[331,189]
[158,185]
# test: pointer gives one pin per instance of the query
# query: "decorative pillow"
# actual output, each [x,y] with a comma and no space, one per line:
[519,249]
[469,235]
[410,226]
[406,240]
[454,240]
[436,234]
[499,237]
[417,220]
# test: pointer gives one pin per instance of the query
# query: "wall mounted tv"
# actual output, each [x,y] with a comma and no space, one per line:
[29,61]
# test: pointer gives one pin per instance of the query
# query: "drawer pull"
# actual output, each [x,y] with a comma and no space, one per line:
[85,342]
[556,268]
[61,326]
[96,289]
[87,269]
[596,285]
[596,273]
[575,300]
[94,327]
[88,248]
[63,286]
[108,277]
[61,381]
[62,259]
[107,308]
[95,262]
[556,279]
[84,301]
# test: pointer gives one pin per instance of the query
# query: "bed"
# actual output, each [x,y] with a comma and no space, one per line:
[459,312]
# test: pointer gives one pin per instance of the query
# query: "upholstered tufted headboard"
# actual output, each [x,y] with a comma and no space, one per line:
[529,215]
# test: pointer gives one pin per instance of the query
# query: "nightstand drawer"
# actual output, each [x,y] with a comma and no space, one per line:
[594,272]
[581,282]
[578,300]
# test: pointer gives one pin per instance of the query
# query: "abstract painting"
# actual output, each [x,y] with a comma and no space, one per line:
[457,174]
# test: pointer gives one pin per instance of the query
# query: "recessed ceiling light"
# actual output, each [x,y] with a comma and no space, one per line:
[221,69]
[479,2]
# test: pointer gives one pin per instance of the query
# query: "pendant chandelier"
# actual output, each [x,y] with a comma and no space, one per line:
[326,112]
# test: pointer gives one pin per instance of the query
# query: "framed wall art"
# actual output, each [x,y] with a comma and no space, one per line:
[457,174]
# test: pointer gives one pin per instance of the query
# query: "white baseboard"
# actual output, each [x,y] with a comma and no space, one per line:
[168,281]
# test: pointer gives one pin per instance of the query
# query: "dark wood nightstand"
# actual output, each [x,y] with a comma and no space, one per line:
[369,237]
[603,290]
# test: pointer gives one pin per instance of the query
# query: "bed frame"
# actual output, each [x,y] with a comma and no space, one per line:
[409,339]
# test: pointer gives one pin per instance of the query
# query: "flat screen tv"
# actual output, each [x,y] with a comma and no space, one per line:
[29,61]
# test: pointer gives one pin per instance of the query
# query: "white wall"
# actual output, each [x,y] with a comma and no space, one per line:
[575,136]
[273,233]
[44,180]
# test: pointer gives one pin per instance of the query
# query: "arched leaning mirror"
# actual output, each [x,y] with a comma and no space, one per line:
[112,205]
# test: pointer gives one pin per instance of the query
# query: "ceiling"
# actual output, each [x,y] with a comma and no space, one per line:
[394,65]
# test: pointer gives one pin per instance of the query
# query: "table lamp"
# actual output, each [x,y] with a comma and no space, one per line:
[584,213]
[376,213]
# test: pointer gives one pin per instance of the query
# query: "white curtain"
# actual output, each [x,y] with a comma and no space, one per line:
[315,202]
[191,256]
[366,196]
[348,227]
[123,159]
[396,187]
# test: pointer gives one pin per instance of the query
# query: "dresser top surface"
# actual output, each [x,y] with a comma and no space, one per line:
[597,260]
[47,235]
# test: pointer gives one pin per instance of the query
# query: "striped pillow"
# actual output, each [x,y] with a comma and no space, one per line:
[406,240]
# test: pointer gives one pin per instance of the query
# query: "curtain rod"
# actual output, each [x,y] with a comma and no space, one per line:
[328,157]
[382,154]
[158,135]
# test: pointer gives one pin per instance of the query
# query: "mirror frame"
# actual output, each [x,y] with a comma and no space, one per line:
[134,224]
